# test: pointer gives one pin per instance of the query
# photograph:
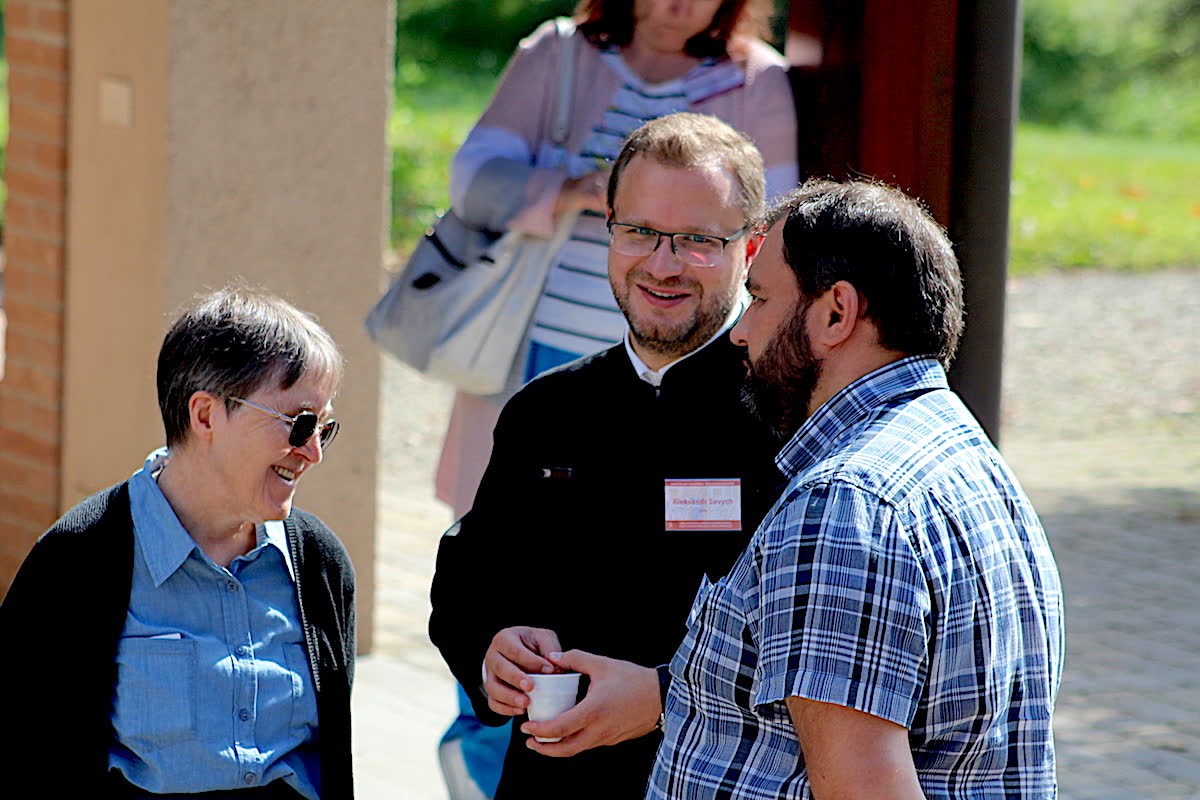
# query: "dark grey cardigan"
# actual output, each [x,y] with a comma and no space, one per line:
[62,619]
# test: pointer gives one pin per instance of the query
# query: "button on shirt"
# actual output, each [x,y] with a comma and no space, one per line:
[214,689]
[903,573]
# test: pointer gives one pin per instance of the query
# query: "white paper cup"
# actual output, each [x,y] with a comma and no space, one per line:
[551,695]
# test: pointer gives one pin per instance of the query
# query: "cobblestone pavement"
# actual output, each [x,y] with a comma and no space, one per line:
[1101,421]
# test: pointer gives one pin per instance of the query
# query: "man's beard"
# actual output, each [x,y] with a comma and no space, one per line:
[780,384]
[677,339]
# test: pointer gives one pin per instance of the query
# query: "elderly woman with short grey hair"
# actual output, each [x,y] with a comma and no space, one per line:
[187,632]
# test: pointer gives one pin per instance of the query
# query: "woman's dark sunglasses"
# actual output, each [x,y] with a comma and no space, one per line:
[304,425]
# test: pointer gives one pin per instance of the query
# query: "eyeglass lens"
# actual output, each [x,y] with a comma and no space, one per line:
[304,425]
[695,249]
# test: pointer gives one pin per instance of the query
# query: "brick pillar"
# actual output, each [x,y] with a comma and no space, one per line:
[36,39]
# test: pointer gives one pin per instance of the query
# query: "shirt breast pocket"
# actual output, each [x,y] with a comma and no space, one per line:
[303,721]
[718,651]
[156,693]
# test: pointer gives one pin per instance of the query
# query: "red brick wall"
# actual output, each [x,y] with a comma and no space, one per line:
[37,39]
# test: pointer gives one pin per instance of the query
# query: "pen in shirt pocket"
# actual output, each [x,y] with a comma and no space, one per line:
[167,636]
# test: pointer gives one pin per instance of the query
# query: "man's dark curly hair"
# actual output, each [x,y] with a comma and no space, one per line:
[889,248]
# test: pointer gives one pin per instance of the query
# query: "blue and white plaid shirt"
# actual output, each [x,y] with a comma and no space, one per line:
[903,573]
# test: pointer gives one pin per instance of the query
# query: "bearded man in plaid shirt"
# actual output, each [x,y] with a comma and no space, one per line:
[894,628]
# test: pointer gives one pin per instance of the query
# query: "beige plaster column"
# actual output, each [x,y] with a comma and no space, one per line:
[211,142]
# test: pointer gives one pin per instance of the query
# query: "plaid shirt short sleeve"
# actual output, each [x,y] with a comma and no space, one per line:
[843,606]
[902,573]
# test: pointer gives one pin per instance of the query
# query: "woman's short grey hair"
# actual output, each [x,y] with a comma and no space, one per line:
[233,342]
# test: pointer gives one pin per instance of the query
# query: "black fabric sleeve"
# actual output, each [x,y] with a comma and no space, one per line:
[471,600]
[59,625]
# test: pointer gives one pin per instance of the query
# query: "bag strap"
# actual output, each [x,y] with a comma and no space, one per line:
[566,79]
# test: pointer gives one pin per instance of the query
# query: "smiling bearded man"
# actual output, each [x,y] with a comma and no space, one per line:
[617,481]
[672,310]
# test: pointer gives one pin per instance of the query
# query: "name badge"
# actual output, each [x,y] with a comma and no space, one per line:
[703,505]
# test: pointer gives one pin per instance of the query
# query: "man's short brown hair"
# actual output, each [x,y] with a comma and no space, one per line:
[698,140]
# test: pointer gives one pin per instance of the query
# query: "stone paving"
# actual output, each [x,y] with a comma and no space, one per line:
[1128,719]
[1102,426]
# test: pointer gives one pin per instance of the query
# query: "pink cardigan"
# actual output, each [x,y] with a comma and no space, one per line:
[518,119]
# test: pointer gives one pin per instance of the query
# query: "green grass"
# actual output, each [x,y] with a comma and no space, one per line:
[434,110]
[1082,200]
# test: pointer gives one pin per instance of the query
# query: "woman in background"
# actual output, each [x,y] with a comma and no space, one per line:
[638,60]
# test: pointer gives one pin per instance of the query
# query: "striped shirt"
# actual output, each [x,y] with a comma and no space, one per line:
[902,573]
[577,312]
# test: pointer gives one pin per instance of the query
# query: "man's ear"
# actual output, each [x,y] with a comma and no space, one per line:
[202,407]
[754,243]
[836,314]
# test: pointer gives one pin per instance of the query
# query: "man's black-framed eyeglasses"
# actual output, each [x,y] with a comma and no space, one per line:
[304,425]
[694,249]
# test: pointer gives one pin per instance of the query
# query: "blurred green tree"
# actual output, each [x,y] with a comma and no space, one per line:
[1125,67]
[468,33]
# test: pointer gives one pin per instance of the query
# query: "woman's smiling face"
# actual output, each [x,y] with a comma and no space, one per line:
[258,469]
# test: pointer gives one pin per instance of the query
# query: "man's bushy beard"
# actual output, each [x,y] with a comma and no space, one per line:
[779,385]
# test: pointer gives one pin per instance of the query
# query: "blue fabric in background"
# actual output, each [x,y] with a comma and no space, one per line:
[483,747]
[542,358]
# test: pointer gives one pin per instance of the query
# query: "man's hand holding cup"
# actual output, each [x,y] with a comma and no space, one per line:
[514,655]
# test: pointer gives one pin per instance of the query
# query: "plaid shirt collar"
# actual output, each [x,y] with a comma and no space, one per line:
[834,420]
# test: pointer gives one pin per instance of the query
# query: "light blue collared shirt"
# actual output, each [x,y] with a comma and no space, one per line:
[214,689]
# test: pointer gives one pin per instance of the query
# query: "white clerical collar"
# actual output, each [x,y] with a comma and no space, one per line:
[654,377]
